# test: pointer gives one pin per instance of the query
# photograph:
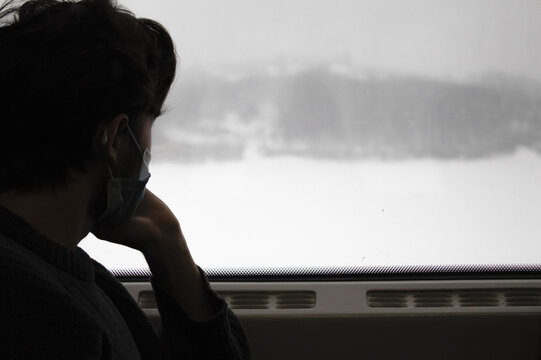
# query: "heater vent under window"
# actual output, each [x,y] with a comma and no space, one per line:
[454,298]
[252,300]
[271,300]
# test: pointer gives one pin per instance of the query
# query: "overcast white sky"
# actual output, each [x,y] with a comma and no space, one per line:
[449,38]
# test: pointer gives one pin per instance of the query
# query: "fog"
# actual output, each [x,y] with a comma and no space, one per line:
[441,38]
[319,133]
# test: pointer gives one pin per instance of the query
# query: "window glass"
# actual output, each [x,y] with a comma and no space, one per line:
[349,132]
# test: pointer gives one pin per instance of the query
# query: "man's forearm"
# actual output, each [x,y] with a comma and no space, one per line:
[176,273]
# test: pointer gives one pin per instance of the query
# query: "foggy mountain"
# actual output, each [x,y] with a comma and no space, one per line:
[321,113]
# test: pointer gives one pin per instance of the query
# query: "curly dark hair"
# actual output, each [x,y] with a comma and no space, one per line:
[65,68]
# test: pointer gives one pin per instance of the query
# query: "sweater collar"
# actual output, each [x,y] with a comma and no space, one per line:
[77,263]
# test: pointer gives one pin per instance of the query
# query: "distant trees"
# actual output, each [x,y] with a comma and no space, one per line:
[319,113]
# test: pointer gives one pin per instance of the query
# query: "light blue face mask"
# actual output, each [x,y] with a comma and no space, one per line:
[124,195]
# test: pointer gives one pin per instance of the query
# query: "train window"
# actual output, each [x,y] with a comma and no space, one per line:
[350,133]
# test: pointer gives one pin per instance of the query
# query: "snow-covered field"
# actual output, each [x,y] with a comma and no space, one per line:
[299,212]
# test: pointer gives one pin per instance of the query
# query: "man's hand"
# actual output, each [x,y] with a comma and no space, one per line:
[155,231]
[153,225]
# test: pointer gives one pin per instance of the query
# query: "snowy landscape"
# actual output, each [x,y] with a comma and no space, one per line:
[319,168]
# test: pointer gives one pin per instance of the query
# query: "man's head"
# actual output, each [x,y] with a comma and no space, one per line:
[69,71]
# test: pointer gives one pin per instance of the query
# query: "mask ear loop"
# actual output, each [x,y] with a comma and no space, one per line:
[110,171]
[134,139]
[143,171]
[103,142]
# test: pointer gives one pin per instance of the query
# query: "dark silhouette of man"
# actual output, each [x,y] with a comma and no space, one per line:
[81,84]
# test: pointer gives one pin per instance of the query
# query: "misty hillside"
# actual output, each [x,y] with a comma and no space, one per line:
[324,114]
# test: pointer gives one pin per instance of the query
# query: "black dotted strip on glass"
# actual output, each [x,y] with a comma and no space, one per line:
[355,273]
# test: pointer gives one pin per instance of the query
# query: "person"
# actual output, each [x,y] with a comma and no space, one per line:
[82,83]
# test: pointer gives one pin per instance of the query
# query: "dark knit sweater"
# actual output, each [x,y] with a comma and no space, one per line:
[60,304]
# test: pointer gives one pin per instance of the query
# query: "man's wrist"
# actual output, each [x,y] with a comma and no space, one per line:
[169,240]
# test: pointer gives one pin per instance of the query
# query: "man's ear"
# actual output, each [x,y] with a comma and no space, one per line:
[110,139]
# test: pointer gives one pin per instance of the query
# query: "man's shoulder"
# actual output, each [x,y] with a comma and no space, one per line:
[33,291]
[26,279]
[38,314]
[18,263]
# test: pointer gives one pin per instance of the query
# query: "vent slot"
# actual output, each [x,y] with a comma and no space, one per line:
[523,297]
[248,300]
[454,298]
[480,298]
[433,299]
[147,300]
[296,300]
[251,300]
[387,299]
